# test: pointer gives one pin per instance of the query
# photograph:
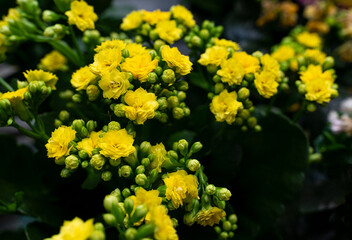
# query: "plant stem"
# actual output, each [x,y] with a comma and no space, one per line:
[27,132]
[6,85]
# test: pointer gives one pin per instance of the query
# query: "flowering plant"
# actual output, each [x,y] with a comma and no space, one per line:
[148,139]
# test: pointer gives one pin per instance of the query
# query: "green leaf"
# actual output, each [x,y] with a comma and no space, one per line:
[198,79]
[270,174]
[38,231]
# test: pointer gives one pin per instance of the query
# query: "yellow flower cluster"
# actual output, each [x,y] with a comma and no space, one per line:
[58,144]
[226,43]
[225,106]
[209,217]
[15,96]
[159,153]
[283,53]
[213,56]
[116,144]
[141,105]
[164,23]
[82,15]
[114,84]
[318,84]
[76,229]
[175,59]
[180,187]
[48,78]
[90,143]
[311,40]
[82,78]
[139,66]
[150,198]
[53,62]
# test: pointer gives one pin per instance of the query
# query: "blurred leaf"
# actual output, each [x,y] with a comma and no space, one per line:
[198,79]
[38,231]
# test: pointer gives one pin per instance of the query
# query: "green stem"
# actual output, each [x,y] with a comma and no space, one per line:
[63,48]
[27,132]
[6,85]
[75,43]
[300,112]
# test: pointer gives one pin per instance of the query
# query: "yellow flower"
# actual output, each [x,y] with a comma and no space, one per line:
[82,15]
[136,49]
[225,106]
[15,96]
[213,56]
[114,84]
[271,65]
[119,44]
[307,39]
[231,72]
[155,17]
[89,144]
[315,55]
[57,145]
[159,153]
[294,65]
[164,228]
[132,21]
[12,14]
[76,229]
[150,198]
[116,143]
[39,75]
[316,72]
[183,15]
[53,61]
[106,60]
[168,31]
[249,63]
[226,43]
[209,217]
[266,84]
[283,53]
[175,59]
[139,66]
[82,78]
[141,105]
[319,90]
[180,187]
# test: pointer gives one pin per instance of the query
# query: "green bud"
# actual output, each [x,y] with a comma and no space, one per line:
[140,169]
[257,128]
[92,92]
[91,36]
[226,225]
[141,179]
[138,39]
[65,173]
[284,87]
[189,219]
[125,171]
[50,16]
[158,70]
[243,93]
[153,35]
[172,102]
[233,218]
[118,110]
[77,98]
[234,227]
[311,107]
[126,193]
[64,116]
[72,162]
[158,44]
[328,63]
[95,151]
[178,113]
[315,157]
[97,161]
[224,235]
[115,162]
[91,125]
[181,95]
[85,164]
[162,103]
[172,154]
[181,86]
[109,219]
[302,88]
[109,201]
[113,125]
[168,76]
[212,69]
[131,233]
[193,165]
[224,194]
[60,161]
[139,213]
[97,235]
[196,41]
[183,147]
[106,176]
[252,122]
[145,162]
[248,103]
[210,189]
[152,77]
[204,34]
[217,229]
[218,88]
[145,230]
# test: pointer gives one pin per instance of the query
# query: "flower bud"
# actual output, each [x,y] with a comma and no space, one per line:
[218,88]
[183,147]
[210,189]
[145,162]
[220,204]
[60,161]
[140,169]
[178,113]
[152,77]
[204,34]
[145,230]
[252,122]
[233,218]
[158,44]
[212,69]
[193,165]
[257,128]
[139,213]
[50,16]
[109,201]
[85,164]
[97,161]
[302,88]
[243,93]
[106,176]
[72,162]
[91,36]
[141,179]
[328,63]
[64,116]
[145,148]
[226,225]
[92,92]
[65,173]
[311,107]
[196,41]
[172,102]
[131,233]
[126,193]
[189,219]
[97,235]
[113,125]
[163,104]
[168,76]
[77,98]
[224,194]
[118,110]
[181,86]
[125,171]
[109,219]
[91,125]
